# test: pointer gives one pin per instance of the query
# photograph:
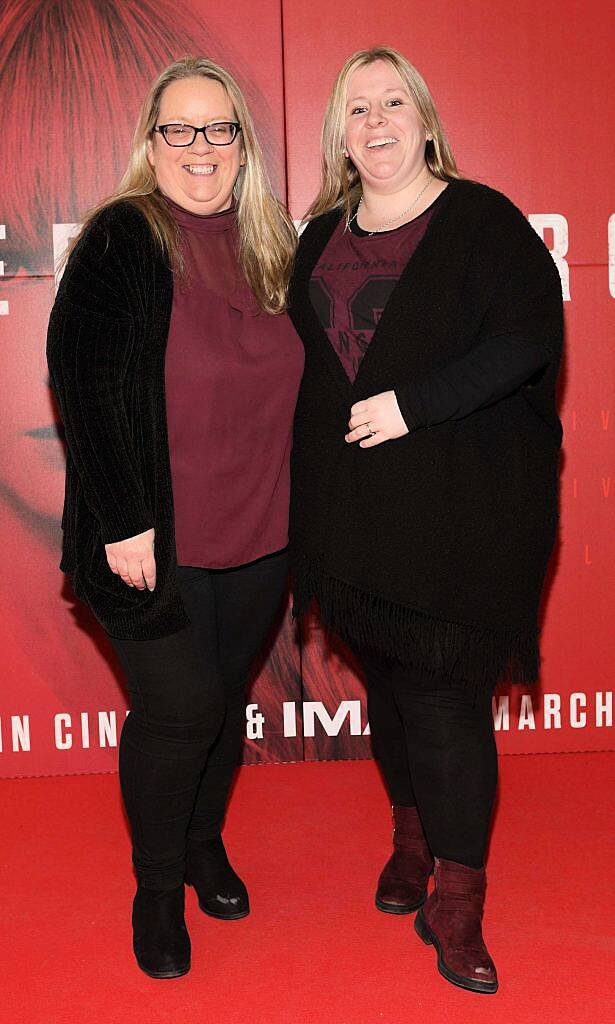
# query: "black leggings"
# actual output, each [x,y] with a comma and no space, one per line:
[181,742]
[436,749]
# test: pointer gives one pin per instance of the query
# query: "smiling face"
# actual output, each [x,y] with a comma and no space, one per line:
[200,177]
[384,134]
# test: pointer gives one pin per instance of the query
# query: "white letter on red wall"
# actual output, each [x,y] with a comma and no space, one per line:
[558,224]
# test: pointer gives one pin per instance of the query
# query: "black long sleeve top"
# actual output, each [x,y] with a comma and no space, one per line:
[462,386]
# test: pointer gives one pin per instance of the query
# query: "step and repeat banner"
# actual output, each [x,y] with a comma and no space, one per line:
[525,93]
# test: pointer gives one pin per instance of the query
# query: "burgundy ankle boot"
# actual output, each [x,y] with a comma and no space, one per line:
[451,921]
[402,886]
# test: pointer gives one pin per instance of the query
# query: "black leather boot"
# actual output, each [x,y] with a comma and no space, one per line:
[220,890]
[160,937]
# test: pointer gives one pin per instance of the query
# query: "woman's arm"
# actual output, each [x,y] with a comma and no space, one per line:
[515,340]
[519,337]
[90,345]
[490,371]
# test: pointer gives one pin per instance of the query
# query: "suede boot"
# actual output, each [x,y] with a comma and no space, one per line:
[451,920]
[220,890]
[160,938]
[402,886]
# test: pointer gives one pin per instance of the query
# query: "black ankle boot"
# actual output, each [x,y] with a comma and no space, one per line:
[220,890]
[160,937]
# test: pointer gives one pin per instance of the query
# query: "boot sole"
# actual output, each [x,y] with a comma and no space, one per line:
[425,933]
[178,973]
[224,917]
[399,908]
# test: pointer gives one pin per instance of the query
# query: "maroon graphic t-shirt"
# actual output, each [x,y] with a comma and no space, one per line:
[352,282]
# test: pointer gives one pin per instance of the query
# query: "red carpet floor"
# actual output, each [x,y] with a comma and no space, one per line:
[310,840]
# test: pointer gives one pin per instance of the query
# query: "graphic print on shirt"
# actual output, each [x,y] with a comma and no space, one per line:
[353,281]
[350,325]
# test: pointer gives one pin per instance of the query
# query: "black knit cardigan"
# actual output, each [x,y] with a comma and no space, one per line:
[106,347]
[432,548]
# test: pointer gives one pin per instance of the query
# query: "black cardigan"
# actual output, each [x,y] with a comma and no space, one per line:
[481,376]
[106,348]
[433,548]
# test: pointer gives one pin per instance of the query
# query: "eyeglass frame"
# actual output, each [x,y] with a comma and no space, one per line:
[183,145]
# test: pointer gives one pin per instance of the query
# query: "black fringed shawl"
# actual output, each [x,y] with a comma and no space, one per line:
[433,548]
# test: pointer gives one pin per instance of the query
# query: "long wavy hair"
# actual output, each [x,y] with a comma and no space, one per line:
[267,236]
[340,185]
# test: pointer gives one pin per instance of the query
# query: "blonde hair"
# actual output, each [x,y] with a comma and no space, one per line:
[340,185]
[267,236]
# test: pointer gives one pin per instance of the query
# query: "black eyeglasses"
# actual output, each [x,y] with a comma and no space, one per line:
[220,133]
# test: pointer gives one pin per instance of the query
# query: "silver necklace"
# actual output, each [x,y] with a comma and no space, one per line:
[393,219]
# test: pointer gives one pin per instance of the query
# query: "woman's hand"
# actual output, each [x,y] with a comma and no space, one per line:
[375,420]
[133,560]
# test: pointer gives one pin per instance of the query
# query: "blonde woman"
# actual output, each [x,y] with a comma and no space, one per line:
[424,502]
[176,372]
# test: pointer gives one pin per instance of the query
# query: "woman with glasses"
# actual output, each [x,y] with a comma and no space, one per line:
[424,503]
[176,372]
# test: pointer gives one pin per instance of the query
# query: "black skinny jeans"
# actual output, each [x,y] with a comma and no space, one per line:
[181,742]
[436,749]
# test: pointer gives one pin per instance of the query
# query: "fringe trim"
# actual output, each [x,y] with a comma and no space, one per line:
[470,656]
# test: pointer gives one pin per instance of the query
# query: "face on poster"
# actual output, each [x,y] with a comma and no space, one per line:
[72,87]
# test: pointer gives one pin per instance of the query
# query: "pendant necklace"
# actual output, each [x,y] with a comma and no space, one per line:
[393,219]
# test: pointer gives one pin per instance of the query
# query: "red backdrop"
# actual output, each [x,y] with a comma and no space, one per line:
[525,93]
